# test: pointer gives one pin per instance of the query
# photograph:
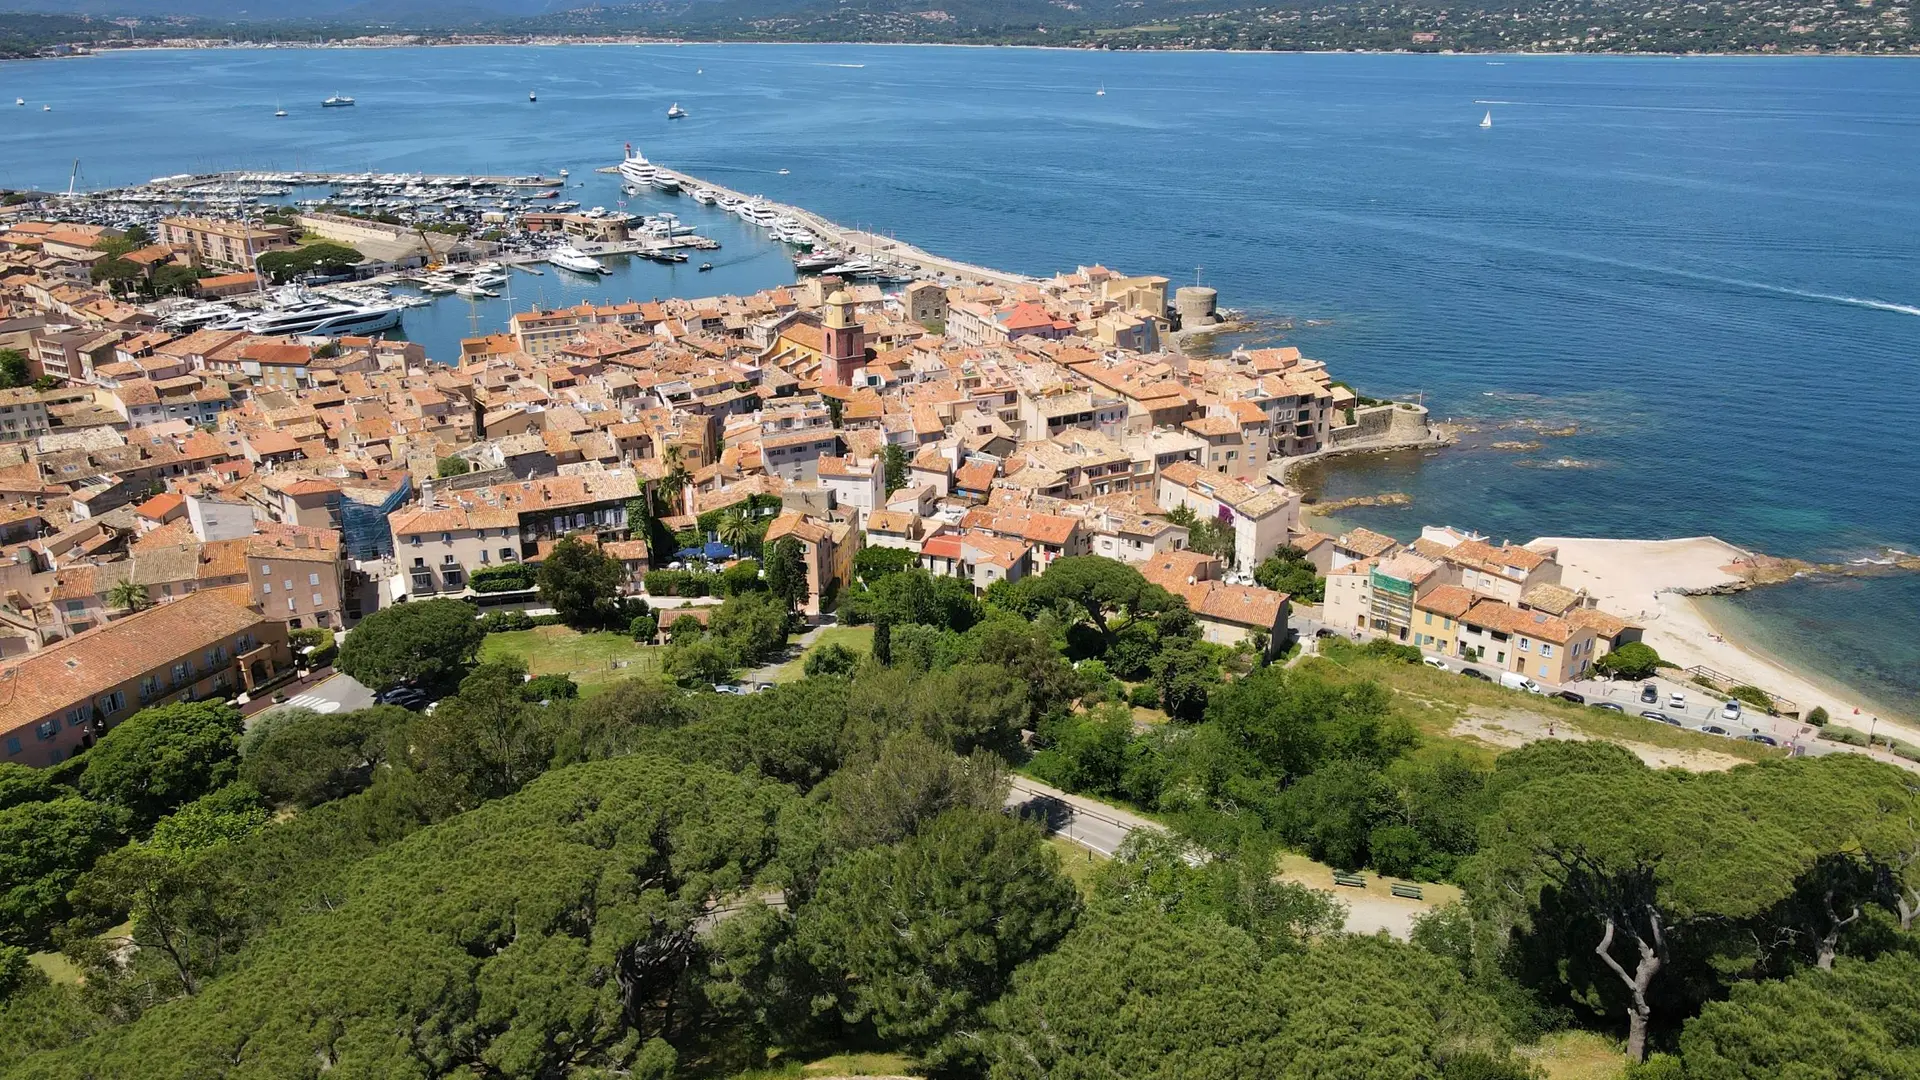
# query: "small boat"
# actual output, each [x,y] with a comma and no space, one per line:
[704,267]
[475,292]
[1102,92]
[46,108]
[563,174]
[1487,120]
[784,172]
[278,111]
[699,71]
[19,101]
[337,101]
[675,112]
[533,95]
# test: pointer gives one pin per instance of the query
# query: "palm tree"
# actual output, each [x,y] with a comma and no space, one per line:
[674,482]
[128,596]
[735,530]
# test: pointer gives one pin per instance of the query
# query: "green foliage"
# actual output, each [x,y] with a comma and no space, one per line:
[883,642]
[426,641]
[1157,872]
[885,795]
[541,934]
[232,813]
[1109,593]
[319,639]
[680,583]
[1185,677]
[965,707]
[1859,1020]
[1287,570]
[581,582]
[915,596]
[874,563]
[831,659]
[549,688]
[504,577]
[325,258]
[13,369]
[1752,695]
[894,457]
[740,578]
[36,1015]
[44,848]
[686,628]
[644,628]
[918,937]
[452,466]
[698,661]
[1817,717]
[786,571]
[173,279]
[24,784]
[1634,660]
[752,626]
[161,757]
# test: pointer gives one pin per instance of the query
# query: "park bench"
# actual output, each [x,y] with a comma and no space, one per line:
[1350,880]
[1408,892]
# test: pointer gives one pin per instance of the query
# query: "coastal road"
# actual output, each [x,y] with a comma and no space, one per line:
[1094,826]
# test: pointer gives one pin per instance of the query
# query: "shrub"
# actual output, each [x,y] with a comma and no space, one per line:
[549,688]
[684,629]
[644,627]
[832,658]
[452,466]
[1145,696]
[1844,735]
[320,639]
[680,583]
[1752,695]
[1818,717]
[500,622]
[492,579]
[1634,660]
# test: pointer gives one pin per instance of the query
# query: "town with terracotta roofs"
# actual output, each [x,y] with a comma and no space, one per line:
[183,502]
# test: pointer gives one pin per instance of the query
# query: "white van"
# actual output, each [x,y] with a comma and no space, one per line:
[1513,680]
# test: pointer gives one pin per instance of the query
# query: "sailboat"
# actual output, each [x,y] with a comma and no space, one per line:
[1487,120]
[277,110]
[19,101]
[1102,92]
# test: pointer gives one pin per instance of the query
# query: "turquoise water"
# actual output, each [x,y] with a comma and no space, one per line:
[1707,270]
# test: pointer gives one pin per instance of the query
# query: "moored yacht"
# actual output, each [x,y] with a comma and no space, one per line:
[568,257]
[668,184]
[636,170]
[294,310]
[705,196]
[755,212]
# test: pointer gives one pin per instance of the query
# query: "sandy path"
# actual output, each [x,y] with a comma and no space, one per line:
[1513,729]
[1637,579]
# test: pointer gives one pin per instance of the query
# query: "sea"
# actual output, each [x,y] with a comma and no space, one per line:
[1661,296]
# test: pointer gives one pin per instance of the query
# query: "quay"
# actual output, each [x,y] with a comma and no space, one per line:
[856,241]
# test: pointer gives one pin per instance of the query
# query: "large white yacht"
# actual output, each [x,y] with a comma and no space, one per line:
[755,212]
[294,311]
[568,257]
[636,170]
[666,183]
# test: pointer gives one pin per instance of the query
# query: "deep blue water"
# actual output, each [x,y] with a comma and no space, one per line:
[1709,268]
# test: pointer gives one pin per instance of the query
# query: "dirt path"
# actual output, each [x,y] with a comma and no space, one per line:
[1514,728]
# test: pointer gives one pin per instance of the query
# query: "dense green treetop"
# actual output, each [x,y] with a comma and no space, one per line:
[161,757]
[1861,1020]
[426,641]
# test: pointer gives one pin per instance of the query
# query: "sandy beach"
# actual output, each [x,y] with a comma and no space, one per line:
[1642,581]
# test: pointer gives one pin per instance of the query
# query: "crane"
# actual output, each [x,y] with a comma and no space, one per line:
[433,257]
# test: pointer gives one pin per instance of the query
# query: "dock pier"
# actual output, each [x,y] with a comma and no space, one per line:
[857,241]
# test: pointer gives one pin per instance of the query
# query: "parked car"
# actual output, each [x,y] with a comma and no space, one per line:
[1609,706]
[404,696]
[1434,662]
[1513,680]
[1764,740]
[1650,694]
[1731,710]
[1569,695]
[1715,729]
[1476,673]
[728,688]
[1677,700]
[1660,717]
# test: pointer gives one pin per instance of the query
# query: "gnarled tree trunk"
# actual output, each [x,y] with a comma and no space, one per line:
[1653,957]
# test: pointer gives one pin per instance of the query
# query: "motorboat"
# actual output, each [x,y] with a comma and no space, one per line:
[533,95]
[474,292]
[666,183]
[337,101]
[675,112]
[755,212]
[705,196]
[568,257]
[704,267]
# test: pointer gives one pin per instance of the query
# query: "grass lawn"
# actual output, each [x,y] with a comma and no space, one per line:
[1577,1055]
[837,1065]
[1077,862]
[56,966]
[857,638]
[594,661]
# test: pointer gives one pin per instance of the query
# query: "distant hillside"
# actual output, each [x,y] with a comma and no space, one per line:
[1413,25]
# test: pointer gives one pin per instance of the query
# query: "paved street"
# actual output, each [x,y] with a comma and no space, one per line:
[336,693]
[1092,825]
